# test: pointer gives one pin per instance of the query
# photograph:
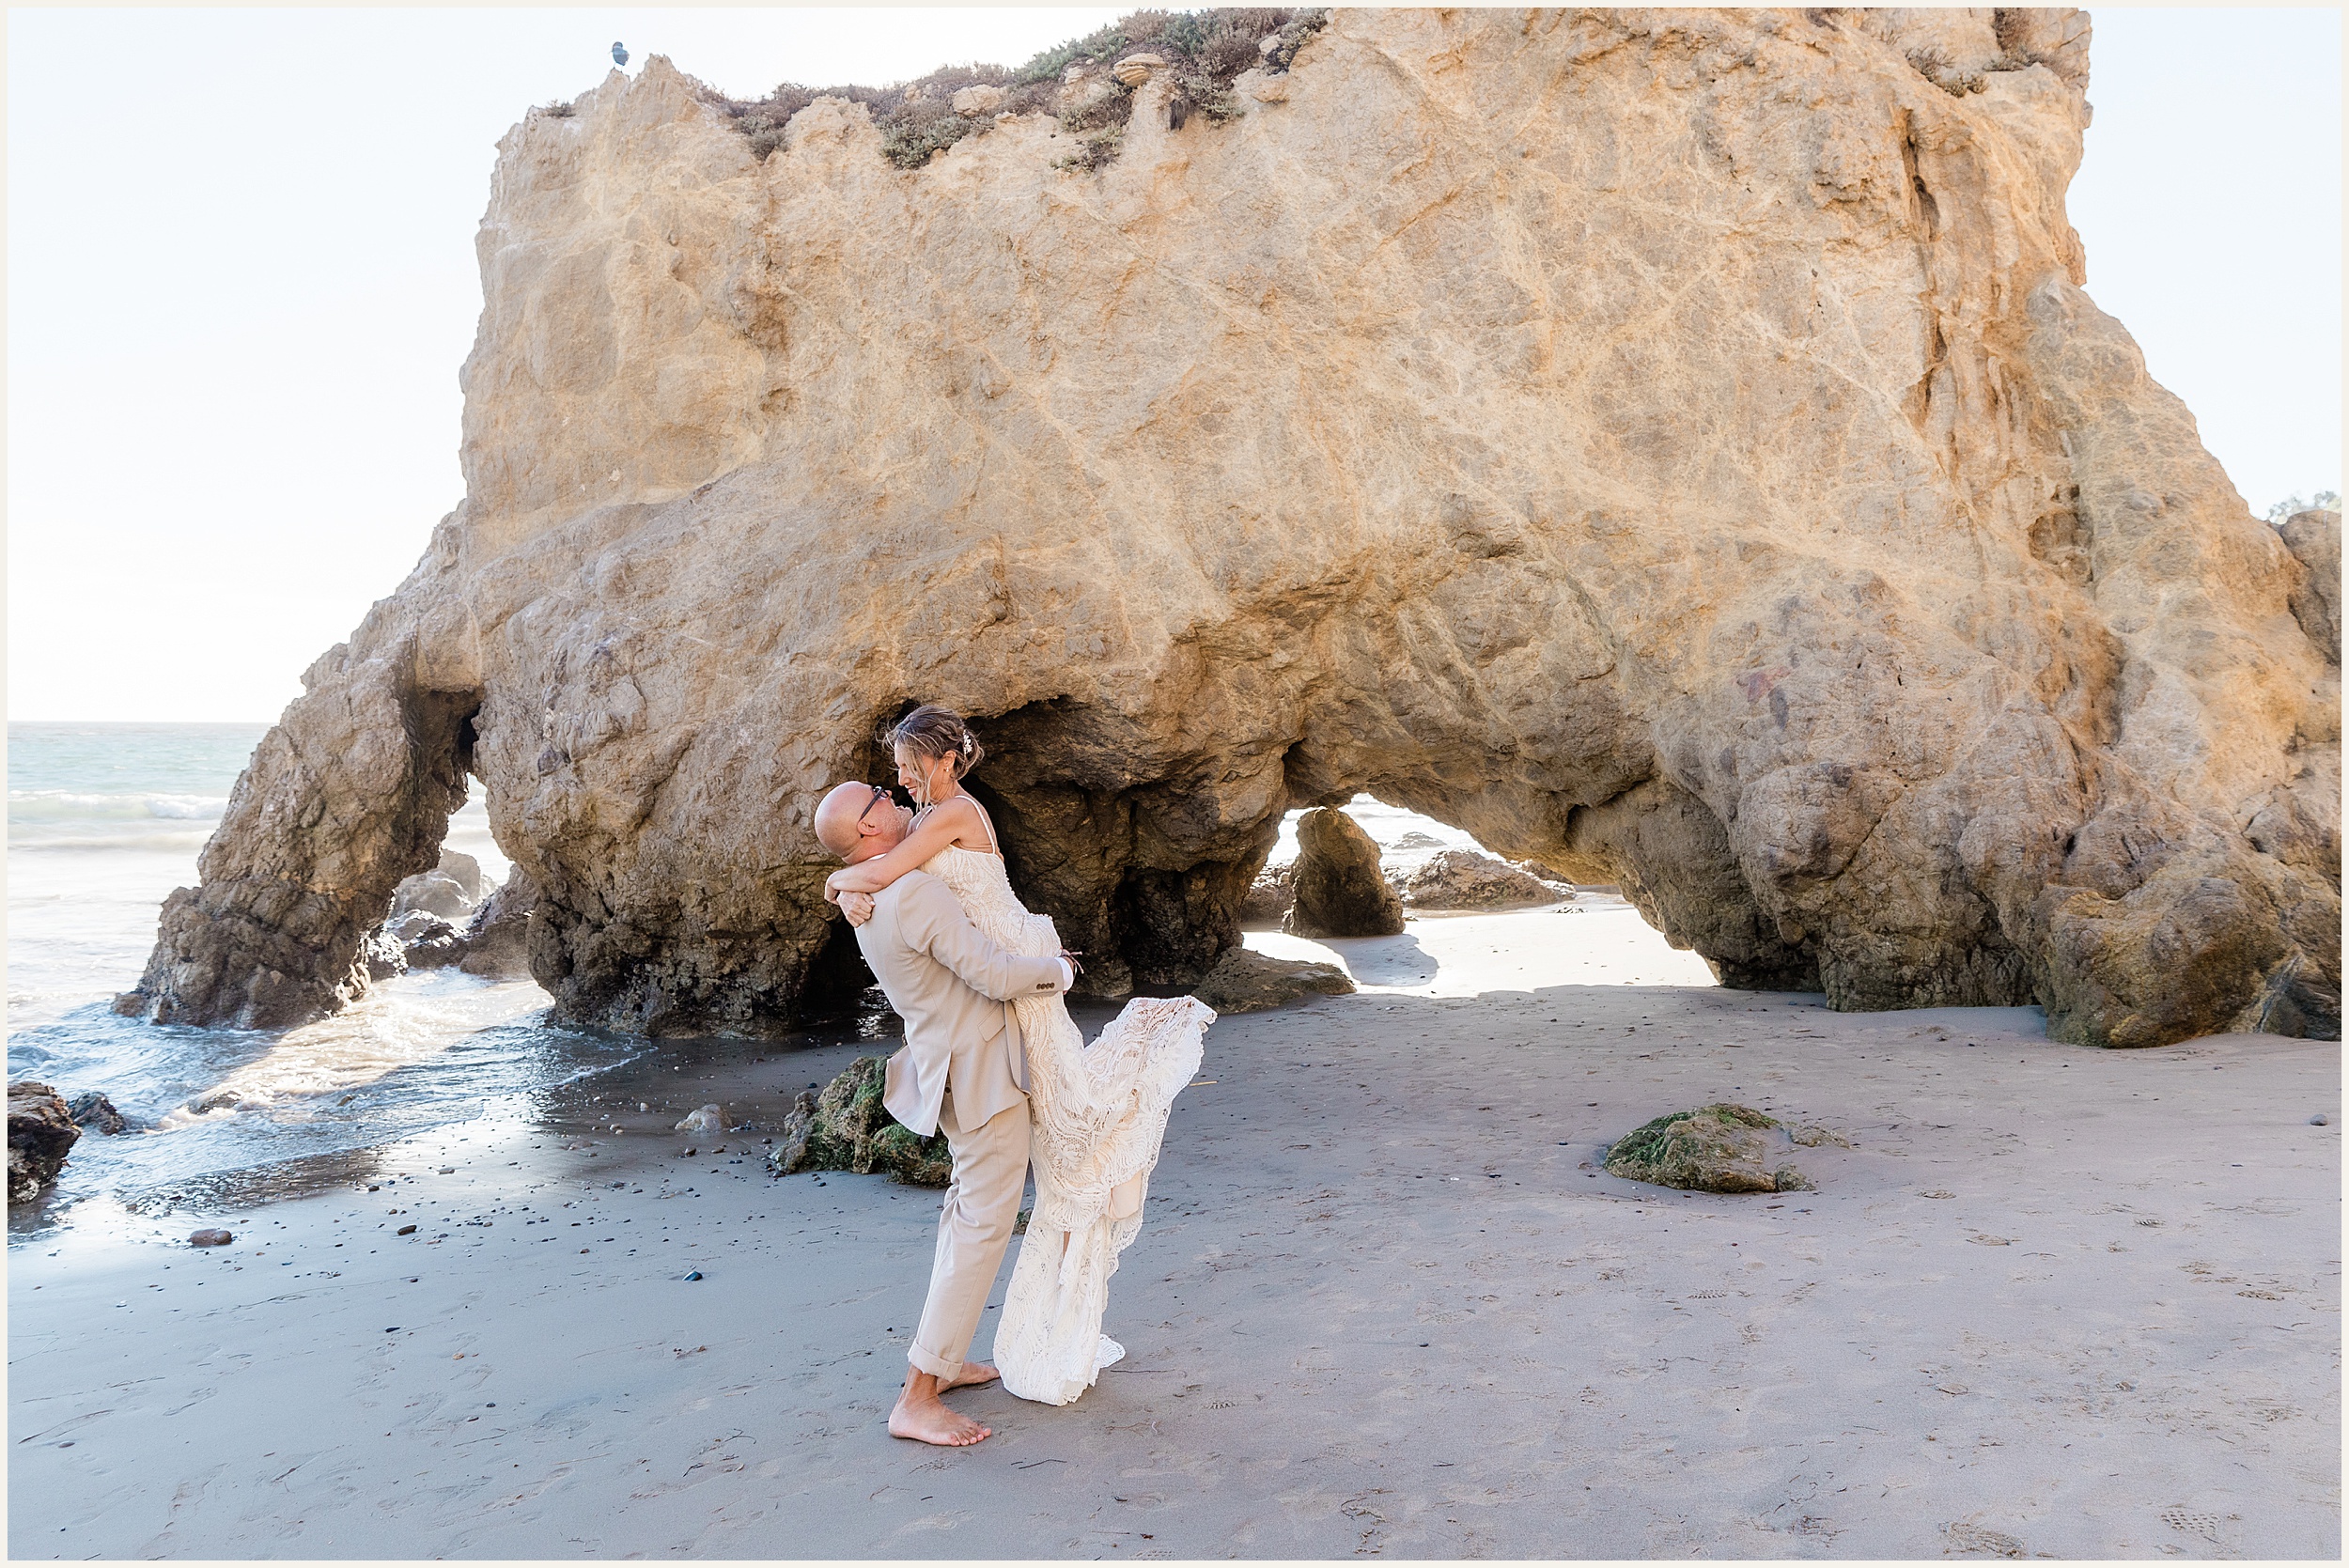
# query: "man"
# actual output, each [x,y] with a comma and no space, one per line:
[963,1068]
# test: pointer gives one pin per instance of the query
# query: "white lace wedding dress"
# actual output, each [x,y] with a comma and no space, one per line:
[1098,1114]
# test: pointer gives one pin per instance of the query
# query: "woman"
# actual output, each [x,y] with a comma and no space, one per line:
[1097,1112]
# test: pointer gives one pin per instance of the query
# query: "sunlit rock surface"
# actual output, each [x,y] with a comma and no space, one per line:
[1674,446]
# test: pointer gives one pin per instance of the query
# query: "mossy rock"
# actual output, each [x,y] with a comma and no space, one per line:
[1714,1148]
[848,1128]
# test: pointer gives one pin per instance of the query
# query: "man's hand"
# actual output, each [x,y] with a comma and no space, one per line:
[858,907]
[1072,958]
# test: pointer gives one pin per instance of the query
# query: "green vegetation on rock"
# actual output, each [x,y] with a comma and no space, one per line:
[1714,1148]
[1204,51]
[848,1128]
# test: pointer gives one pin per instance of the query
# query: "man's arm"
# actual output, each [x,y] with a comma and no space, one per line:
[932,921]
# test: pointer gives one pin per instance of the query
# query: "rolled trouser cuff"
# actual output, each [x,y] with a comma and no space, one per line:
[937,1366]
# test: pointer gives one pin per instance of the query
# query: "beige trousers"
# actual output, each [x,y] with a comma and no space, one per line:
[982,1202]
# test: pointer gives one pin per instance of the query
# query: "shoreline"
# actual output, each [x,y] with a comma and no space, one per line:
[1384,1302]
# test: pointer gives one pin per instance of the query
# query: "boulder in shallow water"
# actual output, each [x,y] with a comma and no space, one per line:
[384,954]
[94,1110]
[1341,890]
[1245,982]
[848,1128]
[497,944]
[449,889]
[429,942]
[1714,1148]
[40,1134]
[1463,879]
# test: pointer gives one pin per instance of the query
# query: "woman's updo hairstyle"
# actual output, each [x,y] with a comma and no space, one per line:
[931,731]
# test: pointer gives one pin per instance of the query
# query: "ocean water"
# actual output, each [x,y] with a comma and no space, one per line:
[104,821]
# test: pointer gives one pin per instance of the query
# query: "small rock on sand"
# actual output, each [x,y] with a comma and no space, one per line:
[1463,879]
[211,1238]
[708,1119]
[1245,982]
[1715,1148]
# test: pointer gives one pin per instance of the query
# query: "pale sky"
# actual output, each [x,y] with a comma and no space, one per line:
[242,279]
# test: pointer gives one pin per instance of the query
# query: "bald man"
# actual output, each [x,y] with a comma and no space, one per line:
[962,1069]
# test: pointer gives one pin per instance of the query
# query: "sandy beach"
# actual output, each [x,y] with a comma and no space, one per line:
[2055,1301]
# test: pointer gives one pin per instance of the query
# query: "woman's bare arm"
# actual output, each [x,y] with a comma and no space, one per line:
[941,827]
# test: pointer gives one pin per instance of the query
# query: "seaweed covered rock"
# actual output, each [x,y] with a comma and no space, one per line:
[40,1134]
[1341,890]
[1715,1148]
[848,1128]
[1245,982]
[1463,879]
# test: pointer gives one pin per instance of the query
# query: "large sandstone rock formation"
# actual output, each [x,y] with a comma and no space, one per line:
[1672,445]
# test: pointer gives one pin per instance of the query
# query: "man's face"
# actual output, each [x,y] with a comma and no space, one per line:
[880,829]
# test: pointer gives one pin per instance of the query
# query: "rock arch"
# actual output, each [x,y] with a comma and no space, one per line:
[1579,427]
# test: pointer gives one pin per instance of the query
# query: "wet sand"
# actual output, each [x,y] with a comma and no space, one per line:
[2055,1301]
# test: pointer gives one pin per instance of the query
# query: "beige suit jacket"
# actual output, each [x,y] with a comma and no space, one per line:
[953,987]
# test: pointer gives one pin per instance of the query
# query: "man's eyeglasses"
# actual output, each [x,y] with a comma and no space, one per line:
[881,793]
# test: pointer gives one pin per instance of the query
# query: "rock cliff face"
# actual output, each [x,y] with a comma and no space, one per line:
[1674,447]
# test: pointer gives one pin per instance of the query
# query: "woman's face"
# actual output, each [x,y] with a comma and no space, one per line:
[918,774]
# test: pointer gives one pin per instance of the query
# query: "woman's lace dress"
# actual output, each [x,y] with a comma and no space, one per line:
[1097,1115]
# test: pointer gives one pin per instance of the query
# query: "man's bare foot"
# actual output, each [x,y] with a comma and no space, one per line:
[920,1417]
[972,1373]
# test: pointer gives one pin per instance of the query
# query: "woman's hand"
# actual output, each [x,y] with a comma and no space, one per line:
[858,907]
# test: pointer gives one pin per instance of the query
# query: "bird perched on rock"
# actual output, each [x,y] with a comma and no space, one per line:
[620,54]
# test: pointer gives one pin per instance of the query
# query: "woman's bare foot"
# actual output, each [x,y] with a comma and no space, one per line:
[919,1415]
[972,1372]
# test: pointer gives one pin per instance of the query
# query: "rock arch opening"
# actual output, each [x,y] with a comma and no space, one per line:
[318,831]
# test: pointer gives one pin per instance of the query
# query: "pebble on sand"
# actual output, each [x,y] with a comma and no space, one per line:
[211,1238]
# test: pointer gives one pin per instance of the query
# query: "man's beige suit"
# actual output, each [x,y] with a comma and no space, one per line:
[963,1070]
